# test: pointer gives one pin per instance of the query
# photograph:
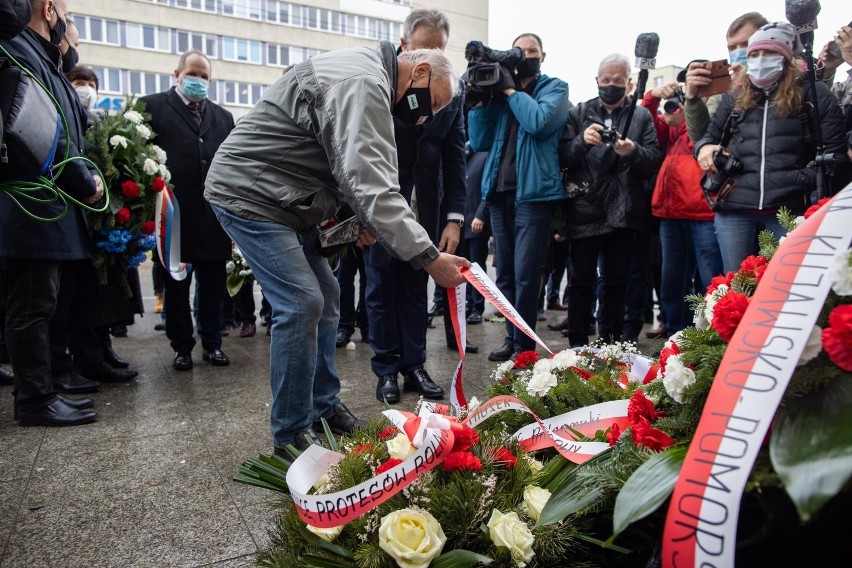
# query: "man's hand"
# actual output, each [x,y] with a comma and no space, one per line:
[99,190]
[592,136]
[831,62]
[450,238]
[844,42]
[698,75]
[445,270]
[507,81]
[705,157]
[365,239]
[665,91]
[624,146]
[477,225]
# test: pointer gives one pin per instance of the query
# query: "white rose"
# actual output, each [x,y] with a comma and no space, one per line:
[511,532]
[326,534]
[505,367]
[840,273]
[541,383]
[412,538]
[535,465]
[159,154]
[812,346]
[143,131]
[133,116]
[150,167]
[230,267]
[565,359]
[677,377]
[535,498]
[118,139]
[399,447]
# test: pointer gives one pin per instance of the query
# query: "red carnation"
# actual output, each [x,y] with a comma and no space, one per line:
[728,312]
[717,281]
[814,208]
[837,337]
[363,448]
[392,462]
[525,359]
[123,216]
[158,185]
[388,433]
[613,434]
[641,407]
[667,352]
[130,189]
[465,439]
[754,266]
[504,456]
[461,460]
[148,227]
[645,435]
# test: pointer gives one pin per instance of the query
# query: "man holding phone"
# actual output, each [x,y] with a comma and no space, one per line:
[706,78]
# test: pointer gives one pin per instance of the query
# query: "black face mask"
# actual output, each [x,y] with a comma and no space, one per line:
[70,59]
[415,106]
[529,67]
[57,34]
[611,94]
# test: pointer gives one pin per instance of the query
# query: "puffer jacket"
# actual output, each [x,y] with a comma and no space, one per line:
[774,151]
[677,193]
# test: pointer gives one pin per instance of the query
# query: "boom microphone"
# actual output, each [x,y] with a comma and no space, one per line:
[645,51]
[802,14]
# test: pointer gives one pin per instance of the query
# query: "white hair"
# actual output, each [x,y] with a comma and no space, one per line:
[442,67]
[616,59]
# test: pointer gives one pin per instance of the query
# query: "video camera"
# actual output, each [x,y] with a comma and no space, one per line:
[482,75]
[672,104]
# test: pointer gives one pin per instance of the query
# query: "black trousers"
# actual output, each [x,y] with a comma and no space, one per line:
[210,287]
[614,249]
[352,263]
[28,291]
[73,339]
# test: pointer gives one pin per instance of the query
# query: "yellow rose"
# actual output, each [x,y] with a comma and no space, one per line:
[400,448]
[535,499]
[511,532]
[412,538]
[535,465]
[326,534]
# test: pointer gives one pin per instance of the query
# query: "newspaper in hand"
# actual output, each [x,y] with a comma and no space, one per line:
[343,232]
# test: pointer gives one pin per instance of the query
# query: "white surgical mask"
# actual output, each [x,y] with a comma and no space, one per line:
[765,71]
[738,55]
[88,96]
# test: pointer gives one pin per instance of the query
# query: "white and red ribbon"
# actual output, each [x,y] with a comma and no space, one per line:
[456,302]
[701,526]
[167,217]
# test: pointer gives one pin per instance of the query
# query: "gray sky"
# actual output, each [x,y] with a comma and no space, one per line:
[577,34]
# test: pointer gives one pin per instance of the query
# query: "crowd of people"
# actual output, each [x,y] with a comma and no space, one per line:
[437,169]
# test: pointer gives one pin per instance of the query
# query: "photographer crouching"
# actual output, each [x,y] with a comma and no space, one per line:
[519,127]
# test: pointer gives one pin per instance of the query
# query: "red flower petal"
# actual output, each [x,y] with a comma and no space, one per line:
[837,337]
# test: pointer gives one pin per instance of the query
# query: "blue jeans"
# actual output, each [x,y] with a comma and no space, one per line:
[521,240]
[687,246]
[305,298]
[737,233]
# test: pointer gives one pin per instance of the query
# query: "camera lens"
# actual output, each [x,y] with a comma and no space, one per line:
[671,106]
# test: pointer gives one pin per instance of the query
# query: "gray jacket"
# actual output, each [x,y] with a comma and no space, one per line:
[320,137]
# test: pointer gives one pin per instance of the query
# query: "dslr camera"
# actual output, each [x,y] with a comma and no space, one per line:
[717,185]
[482,75]
[671,105]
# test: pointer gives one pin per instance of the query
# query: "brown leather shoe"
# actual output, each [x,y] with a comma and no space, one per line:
[248,330]
[554,305]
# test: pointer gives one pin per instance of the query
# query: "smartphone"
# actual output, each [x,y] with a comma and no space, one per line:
[720,79]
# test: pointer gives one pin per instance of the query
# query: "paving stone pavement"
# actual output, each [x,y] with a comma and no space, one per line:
[150,483]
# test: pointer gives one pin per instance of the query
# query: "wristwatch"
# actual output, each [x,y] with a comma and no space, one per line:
[458,222]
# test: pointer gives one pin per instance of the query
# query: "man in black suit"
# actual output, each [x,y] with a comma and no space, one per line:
[190,128]
[431,164]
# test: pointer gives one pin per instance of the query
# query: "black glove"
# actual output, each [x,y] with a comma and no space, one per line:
[474,51]
[507,79]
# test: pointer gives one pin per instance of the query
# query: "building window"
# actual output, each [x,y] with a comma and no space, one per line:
[235,49]
[202,42]
[142,83]
[109,80]
[148,37]
[98,30]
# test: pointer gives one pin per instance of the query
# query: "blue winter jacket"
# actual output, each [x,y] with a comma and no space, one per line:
[541,118]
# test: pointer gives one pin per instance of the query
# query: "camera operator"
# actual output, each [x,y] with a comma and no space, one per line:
[687,235]
[772,137]
[833,57]
[699,111]
[520,130]
[606,218]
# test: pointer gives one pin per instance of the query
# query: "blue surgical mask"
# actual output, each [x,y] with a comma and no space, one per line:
[194,88]
[739,55]
[765,71]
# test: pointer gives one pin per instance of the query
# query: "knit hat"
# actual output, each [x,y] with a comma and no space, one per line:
[779,37]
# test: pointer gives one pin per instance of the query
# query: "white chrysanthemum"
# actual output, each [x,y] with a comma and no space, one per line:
[543,366]
[230,267]
[150,167]
[698,319]
[677,377]
[133,117]
[813,346]
[473,404]
[164,173]
[799,220]
[143,131]
[840,273]
[159,154]
[674,339]
[118,140]
[540,383]
[565,359]
[504,368]
[710,301]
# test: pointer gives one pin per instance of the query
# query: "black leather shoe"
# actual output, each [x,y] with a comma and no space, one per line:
[119,330]
[474,319]
[182,362]
[302,441]
[78,403]
[502,354]
[342,421]
[388,389]
[216,357]
[418,380]
[57,413]
[560,326]
[114,360]
[105,373]
[160,327]
[70,382]
[343,337]
[468,347]
[7,378]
